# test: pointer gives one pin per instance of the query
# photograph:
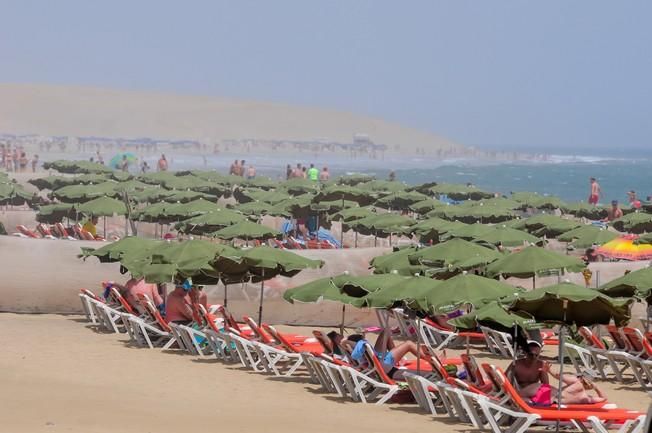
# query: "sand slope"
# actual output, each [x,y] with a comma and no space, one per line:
[85,111]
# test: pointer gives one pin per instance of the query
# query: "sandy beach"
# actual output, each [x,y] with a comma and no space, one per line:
[58,375]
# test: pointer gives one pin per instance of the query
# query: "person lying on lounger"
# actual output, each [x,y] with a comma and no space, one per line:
[531,375]
[386,350]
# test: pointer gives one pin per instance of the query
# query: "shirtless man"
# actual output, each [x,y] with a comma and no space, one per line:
[614,212]
[596,192]
[177,307]
[633,201]
[530,373]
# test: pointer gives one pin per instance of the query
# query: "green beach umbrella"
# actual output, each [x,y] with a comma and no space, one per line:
[116,251]
[352,214]
[635,222]
[397,262]
[507,237]
[382,225]
[579,232]
[54,213]
[495,316]
[210,221]
[176,196]
[382,186]
[464,289]
[470,231]
[585,210]
[361,286]
[344,192]
[532,261]
[253,208]
[400,200]
[424,206]
[454,256]
[157,177]
[547,225]
[355,179]
[76,167]
[584,306]
[459,192]
[637,283]
[265,263]
[102,206]
[246,230]
[643,239]
[403,292]
[597,238]
[248,195]
[83,193]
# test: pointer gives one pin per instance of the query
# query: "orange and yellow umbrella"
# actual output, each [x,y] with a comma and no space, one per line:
[624,248]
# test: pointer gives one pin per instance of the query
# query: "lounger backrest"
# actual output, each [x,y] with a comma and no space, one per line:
[373,360]
[617,337]
[153,312]
[323,341]
[27,232]
[458,383]
[590,338]
[472,370]
[280,338]
[505,384]
[91,295]
[490,376]
[257,331]
[62,230]
[638,342]
[438,367]
[209,319]
[229,320]
[117,297]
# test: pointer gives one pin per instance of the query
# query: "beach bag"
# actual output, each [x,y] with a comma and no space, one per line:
[542,396]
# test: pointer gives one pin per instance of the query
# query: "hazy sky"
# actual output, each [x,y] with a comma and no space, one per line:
[497,74]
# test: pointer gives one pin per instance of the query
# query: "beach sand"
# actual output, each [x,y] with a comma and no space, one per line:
[58,375]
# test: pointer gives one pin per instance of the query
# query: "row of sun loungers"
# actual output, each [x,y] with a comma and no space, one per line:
[56,231]
[486,400]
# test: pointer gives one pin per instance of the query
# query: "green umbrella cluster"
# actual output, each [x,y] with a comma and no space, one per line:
[75,167]
[454,256]
[635,222]
[532,261]
[637,284]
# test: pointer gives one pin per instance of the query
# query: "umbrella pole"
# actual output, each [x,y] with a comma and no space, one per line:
[356,239]
[105,227]
[534,283]
[561,361]
[260,306]
[419,346]
[226,289]
[341,234]
[342,324]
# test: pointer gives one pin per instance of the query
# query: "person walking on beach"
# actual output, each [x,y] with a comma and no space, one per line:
[162,163]
[313,173]
[233,169]
[34,163]
[596,192]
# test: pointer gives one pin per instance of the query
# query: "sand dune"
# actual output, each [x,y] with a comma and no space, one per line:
[85,111]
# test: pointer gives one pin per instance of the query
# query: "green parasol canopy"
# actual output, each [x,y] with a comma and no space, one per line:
[464,289]
[355,179]
[585,210]
[103,206]
[597,238]
[401,200]
[454,256]
[579,232]
[210,221]
[397,262]
[507,237]
[585,307]
[318,290]
[635,222]
[403,292]
[424,206]
[176,196]
[116,251]
[532,261]
[253,208]
[54,213]
[83,193]
[345,192]
[459,192]
[470,231]
[637,283]
[493,314]
[75,167]
[382,225]
[361,286]
[246,230]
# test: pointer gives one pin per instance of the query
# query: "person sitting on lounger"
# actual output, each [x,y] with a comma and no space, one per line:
[91,226]
[136,286]
[386,350]
[531,375]
[178,306]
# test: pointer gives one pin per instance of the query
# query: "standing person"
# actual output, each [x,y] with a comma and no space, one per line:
[313,173]
[596,192]
[392,176]
[633,201]
[288,172]
[241,168]
[34,163]
[162,163]
[233,169]
[144,167]
[23,162]
[98,157]
[251,172]
[614,212]
[124,164]
[304,172]
[324,176]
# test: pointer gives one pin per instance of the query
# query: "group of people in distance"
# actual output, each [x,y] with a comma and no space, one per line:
[16,159]
[237,168]
[303,172]
[614,212]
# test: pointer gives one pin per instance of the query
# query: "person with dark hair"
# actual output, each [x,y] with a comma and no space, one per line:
[178,304]
[531,377]
[614,212]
